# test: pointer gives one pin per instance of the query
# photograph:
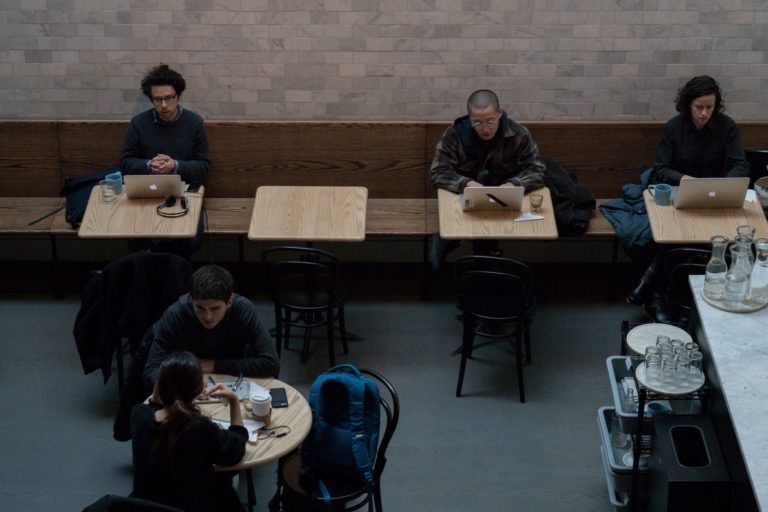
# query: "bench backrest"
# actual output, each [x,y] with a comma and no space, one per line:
[392,159]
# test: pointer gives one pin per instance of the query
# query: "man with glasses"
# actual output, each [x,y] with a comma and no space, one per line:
[483,148]
[167,139]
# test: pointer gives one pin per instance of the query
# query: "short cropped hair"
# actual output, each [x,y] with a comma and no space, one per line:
[211,282]
[481,99]
[162,75]
[697,87]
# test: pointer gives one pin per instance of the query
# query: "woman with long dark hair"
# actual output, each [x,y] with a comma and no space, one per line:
[175,447]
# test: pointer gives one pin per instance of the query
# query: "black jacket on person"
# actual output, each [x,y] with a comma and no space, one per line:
[123,301]
[186,479]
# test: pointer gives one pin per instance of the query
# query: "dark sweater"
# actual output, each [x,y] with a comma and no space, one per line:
[238,344]
[184,140]
[712,152]
[190,484]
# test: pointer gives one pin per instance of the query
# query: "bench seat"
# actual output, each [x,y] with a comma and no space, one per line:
[17,212]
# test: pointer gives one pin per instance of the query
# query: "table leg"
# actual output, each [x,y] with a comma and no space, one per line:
[251,492]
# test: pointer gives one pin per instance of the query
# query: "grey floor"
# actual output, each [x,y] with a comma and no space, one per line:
[484,451]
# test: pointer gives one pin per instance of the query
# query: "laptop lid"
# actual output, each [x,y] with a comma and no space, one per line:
[710,193]
[141,186]
[492,198]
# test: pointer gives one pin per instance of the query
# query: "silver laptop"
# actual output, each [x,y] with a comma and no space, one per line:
[492,198]
[141,186]
[710,193]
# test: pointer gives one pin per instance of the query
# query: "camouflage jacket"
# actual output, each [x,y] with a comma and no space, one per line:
[460,157]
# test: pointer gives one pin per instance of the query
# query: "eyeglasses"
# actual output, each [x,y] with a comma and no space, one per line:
[483,124]
[165,99]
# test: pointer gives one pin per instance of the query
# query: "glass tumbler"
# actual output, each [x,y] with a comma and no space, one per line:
[653,369]
[669,373]
[696,367]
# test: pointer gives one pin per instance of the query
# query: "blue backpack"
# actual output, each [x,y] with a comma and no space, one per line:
[345,429]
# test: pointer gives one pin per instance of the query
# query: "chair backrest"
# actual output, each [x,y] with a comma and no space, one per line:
[390,403]
[682,255]
[680,292]
[302,285]
[495,264]
[492,295]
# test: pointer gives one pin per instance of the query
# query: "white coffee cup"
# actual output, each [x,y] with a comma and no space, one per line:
[261,403]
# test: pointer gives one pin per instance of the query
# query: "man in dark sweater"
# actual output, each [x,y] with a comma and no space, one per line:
[221,328]
[167,139]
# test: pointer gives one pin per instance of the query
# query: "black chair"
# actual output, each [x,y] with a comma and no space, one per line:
[507,266]
[679,263]
[497,299]
[307,293]
[121,302]
[345,495]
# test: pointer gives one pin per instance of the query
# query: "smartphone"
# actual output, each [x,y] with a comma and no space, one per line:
[279,398]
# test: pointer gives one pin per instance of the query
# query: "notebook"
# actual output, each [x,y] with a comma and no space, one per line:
[492,198]
[140,186]
[710,193]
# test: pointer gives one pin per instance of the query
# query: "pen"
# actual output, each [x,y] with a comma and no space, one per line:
[210,379]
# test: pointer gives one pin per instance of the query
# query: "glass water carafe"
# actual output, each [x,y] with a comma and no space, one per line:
[714,278]
[759,279]
[737,277]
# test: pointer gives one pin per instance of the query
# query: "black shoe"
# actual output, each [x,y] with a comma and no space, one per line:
[440,249]
[639,293]
[657,310]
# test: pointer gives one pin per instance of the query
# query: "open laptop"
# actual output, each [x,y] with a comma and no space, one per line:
[492,198]
[141,186]
[710,193]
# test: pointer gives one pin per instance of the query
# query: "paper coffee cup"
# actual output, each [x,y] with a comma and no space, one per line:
[261,404]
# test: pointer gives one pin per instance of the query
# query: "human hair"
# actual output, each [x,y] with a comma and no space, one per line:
[481,99]
[211,282]
[697,87]
[179,383]
[162,75]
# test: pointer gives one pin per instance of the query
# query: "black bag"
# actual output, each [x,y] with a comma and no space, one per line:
[573,202]
[78,190]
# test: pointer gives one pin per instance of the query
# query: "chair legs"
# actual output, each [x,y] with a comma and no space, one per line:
[468,339]
[331,347]
[283,322]
[343,330]
[528,340]
[522,336]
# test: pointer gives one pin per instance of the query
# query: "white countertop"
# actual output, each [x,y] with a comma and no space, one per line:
[738,343]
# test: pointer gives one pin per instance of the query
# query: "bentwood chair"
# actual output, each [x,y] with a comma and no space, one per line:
[507,266]
[307,294]
[498,299]
[679,263]
[294,496]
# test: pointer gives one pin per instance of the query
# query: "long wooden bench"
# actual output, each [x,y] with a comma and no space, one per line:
[391,159]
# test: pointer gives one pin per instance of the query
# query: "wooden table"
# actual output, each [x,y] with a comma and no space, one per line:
[697,225]
[309,214]
[138,218]
[297,416]
[494,224]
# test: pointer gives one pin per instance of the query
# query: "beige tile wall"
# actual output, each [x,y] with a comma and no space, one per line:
[381,59]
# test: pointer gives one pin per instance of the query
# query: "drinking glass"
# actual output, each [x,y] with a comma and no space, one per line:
[107,191]
[663,342]
[696,366]
[536,202]
[669,373]
[653,369]
[691,346]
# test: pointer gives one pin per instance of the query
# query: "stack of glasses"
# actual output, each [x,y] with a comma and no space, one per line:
[673,365]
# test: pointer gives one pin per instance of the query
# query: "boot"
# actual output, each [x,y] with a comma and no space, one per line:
[656,308]
[641,291]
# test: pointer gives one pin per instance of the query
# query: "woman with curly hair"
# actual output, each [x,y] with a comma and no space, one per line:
[699,142]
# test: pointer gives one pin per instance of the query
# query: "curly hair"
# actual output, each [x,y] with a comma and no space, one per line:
[697,87]
[162,75]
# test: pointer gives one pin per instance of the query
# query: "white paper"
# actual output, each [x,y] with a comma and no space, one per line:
[751,196]
[253,427]
[528,216]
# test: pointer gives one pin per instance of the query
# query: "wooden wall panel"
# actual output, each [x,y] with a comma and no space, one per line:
[388,158]
[89,146]
[29,159]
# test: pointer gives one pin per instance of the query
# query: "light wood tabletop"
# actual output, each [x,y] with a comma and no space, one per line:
[138,218]
[697,225]
[309,214]
[297,416]
[494,224]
